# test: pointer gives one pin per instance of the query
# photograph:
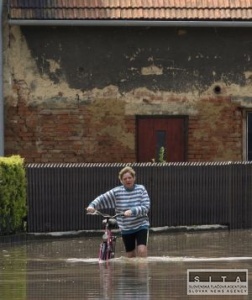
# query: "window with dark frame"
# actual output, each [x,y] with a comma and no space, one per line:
[160,138]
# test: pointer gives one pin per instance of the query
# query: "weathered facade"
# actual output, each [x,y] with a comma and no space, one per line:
[79,93]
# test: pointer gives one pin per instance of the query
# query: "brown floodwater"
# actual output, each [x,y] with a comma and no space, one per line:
[68,268]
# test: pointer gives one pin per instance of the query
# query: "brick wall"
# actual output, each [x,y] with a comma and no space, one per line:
[72,97]
[101,132]
[215,133]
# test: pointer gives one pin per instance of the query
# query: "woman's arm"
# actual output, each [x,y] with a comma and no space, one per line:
[106,200]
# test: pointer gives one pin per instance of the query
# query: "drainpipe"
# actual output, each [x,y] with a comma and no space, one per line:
[1,83]
[130,23]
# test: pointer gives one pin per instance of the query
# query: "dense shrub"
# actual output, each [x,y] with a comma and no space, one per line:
[12,194]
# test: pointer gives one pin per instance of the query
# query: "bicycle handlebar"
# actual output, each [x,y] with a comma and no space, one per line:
[97,212]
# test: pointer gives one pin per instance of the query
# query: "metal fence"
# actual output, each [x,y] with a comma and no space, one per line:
[182,194]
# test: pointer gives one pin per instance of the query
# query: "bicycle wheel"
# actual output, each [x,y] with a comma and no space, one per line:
[112,247]
[103,251]
[109,252]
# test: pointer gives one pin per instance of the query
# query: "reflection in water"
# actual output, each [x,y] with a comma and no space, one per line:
[67,268]
[132,280]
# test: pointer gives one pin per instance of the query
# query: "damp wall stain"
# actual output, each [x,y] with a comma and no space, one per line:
[105,77]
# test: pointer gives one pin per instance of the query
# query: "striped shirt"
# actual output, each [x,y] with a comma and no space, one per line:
[122,199]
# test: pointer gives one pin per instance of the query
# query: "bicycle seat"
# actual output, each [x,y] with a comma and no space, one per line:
[112,221]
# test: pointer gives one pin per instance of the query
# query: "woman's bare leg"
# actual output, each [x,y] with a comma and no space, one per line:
[142,251]
[131,254]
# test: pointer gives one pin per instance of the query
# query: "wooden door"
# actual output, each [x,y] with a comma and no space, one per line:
[156,132]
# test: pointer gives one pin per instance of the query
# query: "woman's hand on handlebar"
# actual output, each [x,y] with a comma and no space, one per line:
[128,213]
[90,209]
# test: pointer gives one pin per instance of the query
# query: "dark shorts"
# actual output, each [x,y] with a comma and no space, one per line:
[139,237]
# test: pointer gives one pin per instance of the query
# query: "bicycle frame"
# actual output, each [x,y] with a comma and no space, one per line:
[107,246]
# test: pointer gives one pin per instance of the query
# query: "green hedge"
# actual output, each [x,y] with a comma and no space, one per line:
[12,194]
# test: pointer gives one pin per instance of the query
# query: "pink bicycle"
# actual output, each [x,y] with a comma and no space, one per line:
[107,246]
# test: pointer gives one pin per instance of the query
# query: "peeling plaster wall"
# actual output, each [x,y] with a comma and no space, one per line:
[72,94]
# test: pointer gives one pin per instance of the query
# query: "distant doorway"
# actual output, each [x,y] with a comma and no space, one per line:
[154,133]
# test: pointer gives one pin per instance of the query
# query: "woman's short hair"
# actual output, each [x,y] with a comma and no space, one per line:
[126,170]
